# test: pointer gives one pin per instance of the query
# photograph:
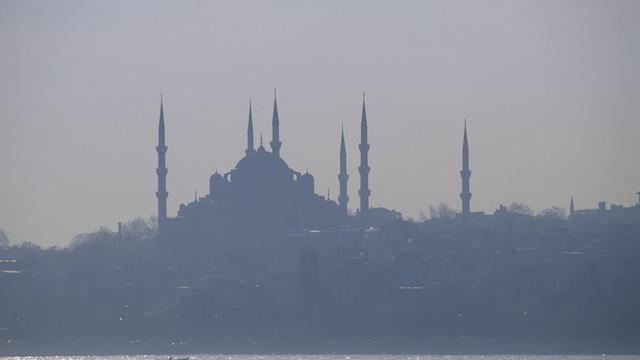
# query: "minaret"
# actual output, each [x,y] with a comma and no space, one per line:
[275,128]
[572,208]
[465,173]
[364,191]
[250,148]
[343,177]
[161,171]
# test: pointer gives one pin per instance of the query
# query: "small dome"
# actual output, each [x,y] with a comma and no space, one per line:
[216,177]
[216,181]
[307,182]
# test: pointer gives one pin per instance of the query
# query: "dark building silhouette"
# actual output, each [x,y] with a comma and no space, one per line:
[364,191]
[603,215]
[465,174]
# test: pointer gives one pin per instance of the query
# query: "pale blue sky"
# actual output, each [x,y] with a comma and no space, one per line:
[551,91]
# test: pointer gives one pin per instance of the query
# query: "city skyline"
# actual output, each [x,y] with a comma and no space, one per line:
[463,209]
[77,143]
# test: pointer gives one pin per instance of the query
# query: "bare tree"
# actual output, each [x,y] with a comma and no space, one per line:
[520,208]
[442,211]
[554,212]
[101,237]
[140,229]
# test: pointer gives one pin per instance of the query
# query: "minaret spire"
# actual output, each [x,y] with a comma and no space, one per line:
[364,191]
[161,171]
[572,208]
[275,128]
[250,147]
[343,177]
[465,174]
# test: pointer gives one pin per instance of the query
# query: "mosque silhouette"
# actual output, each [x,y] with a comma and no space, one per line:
[262,196]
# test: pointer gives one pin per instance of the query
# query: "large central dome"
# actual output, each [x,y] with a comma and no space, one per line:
[262,161]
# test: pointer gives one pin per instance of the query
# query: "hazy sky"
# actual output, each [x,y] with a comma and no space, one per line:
[551,91]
